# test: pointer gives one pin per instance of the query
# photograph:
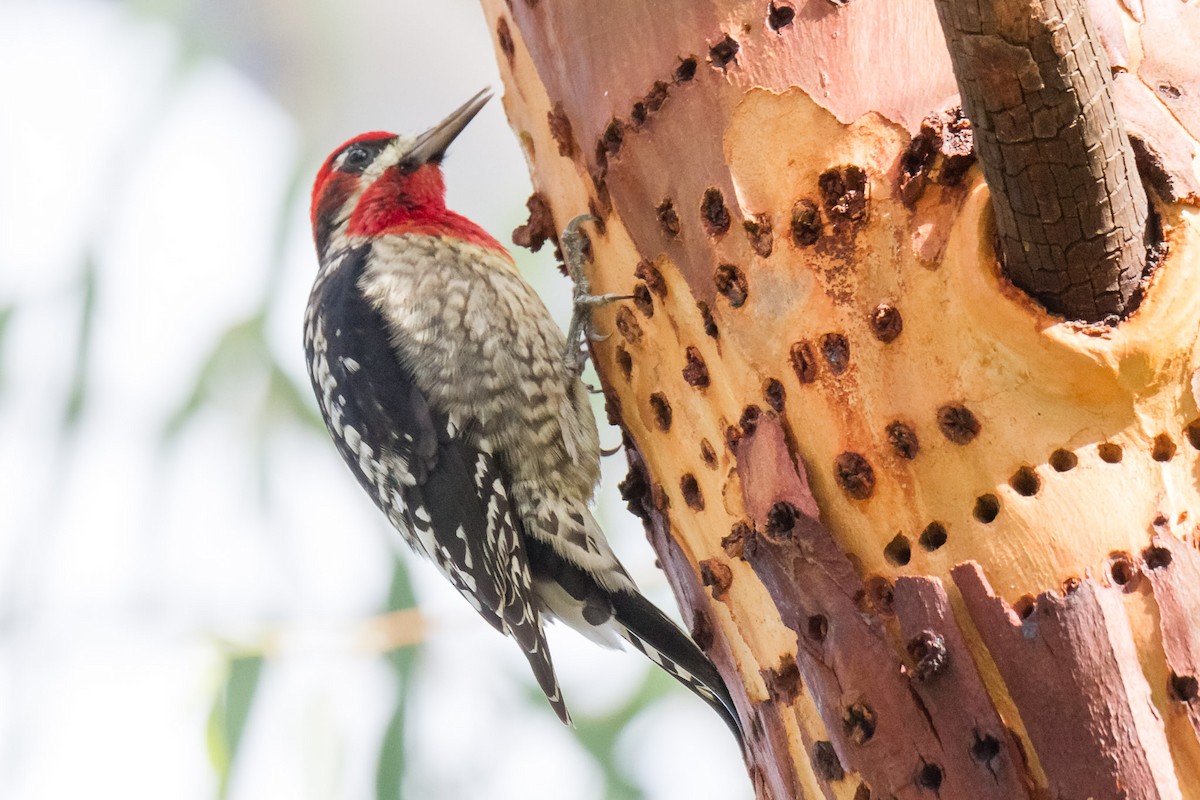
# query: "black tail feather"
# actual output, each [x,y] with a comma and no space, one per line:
[661,640]
[538,654]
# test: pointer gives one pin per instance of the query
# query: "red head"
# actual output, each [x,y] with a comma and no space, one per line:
[379,183]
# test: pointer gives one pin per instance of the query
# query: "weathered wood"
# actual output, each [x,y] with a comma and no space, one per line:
[954,695]
[1070,664]
[1070,209]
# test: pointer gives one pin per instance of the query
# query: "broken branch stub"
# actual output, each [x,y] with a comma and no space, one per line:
[1070,209]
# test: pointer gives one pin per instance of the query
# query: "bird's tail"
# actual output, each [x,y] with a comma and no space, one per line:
[532,640]
[661,640]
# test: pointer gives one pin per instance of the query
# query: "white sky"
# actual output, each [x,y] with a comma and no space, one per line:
[123,564]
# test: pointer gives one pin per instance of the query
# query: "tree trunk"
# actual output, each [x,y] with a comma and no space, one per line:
[938,540]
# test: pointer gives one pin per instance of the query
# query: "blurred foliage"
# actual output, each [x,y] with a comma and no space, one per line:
[77,391]
[389,775]
[230,710]
[600,734]
[7,312]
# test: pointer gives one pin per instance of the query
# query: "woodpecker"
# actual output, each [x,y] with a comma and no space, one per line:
[457,403]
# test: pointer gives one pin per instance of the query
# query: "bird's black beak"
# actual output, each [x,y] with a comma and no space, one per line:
[431,145]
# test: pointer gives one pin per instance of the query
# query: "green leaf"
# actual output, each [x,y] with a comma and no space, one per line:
[230,710]
[77,391]
[389,773]
[6,316]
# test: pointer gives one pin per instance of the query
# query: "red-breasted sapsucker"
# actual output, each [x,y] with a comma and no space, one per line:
[456,401]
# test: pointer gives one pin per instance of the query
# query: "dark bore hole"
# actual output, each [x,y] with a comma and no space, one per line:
[714,213]
[706,319]
[612,406]
[668,219]
[930,777]
[826,763]
[1110,453]
[1169,91]
[627,325]
[707,454]
[817,627]
[731,282]
[695,371]
[1063,460]
[1156,557]
[1071,585]
[749,419]
[1124,572]
[987,508]
[804,361]
[933,537]
[929,654]
[958,423]
[1192,431]
[723,52]
[638,114]
[625,362]
[733,435]
[656,96]
[774,392]
[600,214]
[1164,448]
[642,300]
[881,594]
[561,132]
[898,551]
[780,16]
[1025,606]
[806,223]
[1184,687]
[836,349]
[690,489]
[653,278]
[1025,482]
[614,137]
[686,70]
[985,748]
[601,160]
[505,40]
[734,544]
[662,411]
[858,723]
[855,475]
[783,682]
[845,194]
[903,440]
[759,234]
[886,322]
[782,518]
[717,576]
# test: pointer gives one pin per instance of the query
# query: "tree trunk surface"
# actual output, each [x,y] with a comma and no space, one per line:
[939,541]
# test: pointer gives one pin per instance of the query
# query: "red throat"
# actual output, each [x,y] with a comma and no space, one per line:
[414,201]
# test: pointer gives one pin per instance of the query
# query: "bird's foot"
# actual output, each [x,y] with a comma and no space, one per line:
[582,329]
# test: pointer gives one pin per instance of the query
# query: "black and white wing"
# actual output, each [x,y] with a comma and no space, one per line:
[445,494]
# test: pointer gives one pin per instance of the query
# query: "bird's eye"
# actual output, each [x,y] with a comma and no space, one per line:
[356,157]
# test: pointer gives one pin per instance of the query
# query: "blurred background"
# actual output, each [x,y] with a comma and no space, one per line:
[196,599]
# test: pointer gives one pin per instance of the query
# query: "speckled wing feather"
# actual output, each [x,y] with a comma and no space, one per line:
[444,493]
